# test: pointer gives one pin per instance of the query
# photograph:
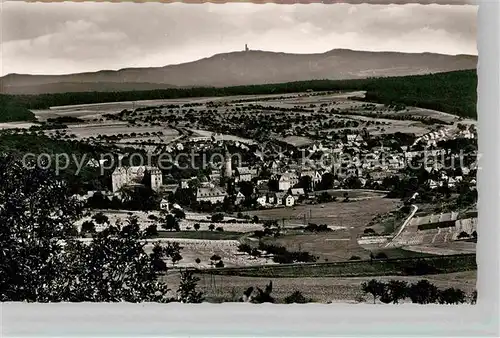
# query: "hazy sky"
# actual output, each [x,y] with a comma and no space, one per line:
[57,38]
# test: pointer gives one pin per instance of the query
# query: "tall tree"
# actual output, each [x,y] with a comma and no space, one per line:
[42,261]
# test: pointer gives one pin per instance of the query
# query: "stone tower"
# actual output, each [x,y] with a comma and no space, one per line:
[246,48]
[228,170]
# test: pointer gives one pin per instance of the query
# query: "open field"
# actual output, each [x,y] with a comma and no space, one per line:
[191,249]
[346,219]
[355,214]
[115,128]
[209,235]
[297,141]
[233,118]
[408,266]
[320,289]
[353,194]
[14,125]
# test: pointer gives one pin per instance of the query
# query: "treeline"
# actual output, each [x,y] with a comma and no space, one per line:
[452,92]
[421,292]
[11,110]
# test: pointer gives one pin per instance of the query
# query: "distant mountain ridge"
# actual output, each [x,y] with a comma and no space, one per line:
[244,68]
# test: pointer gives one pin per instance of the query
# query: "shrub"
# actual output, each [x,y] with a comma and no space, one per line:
[215,258]
[219,229]
[187,288]
[219,264]
[381,255]
[255,252]
[373,287]
[217,217]
[397,290]
[244,248]
[88,227]
[369,231]
[296,297]
[451,296]
[463,234]
[354,258]
[198,261]
[264,296]
[423,292]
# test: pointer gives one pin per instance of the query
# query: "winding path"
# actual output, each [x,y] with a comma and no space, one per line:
[405,223]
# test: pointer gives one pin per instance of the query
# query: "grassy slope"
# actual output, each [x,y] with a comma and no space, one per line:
[452,92]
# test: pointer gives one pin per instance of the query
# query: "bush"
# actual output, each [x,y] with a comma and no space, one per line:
[369,231]
[198,261]
[217,217]
[423,292]
[215,258]
[381,255]
[373,287]
[88,227]
[283,256]
[354,258]
[264,296]
[151,231]
[296,297]
[244,248]
[219,264]
[463,234]
[219,229]
[317,228]
[255,252]
[451,296]
[187,289]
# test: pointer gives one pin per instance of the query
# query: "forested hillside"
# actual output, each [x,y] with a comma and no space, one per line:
[11,110]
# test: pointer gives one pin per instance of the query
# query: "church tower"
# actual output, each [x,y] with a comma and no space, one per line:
[228,170]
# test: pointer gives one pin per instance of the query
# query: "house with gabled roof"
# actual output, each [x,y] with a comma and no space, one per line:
[210,194]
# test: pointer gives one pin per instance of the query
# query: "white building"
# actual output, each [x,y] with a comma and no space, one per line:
[289,200]
[123,176]
[286,181]
[243,174]
[164,205]
[210,194]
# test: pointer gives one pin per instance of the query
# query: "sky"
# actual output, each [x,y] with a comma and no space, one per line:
[66,37]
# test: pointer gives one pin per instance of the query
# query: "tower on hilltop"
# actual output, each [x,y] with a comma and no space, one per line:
[246,48]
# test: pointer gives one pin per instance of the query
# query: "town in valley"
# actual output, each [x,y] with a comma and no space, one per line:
[360,188]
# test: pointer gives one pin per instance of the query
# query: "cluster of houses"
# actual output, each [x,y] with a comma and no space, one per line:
[284,182]
[432,138]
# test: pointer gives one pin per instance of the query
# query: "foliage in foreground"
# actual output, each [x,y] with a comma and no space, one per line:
[187,289]
[421,292]
[42,260]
